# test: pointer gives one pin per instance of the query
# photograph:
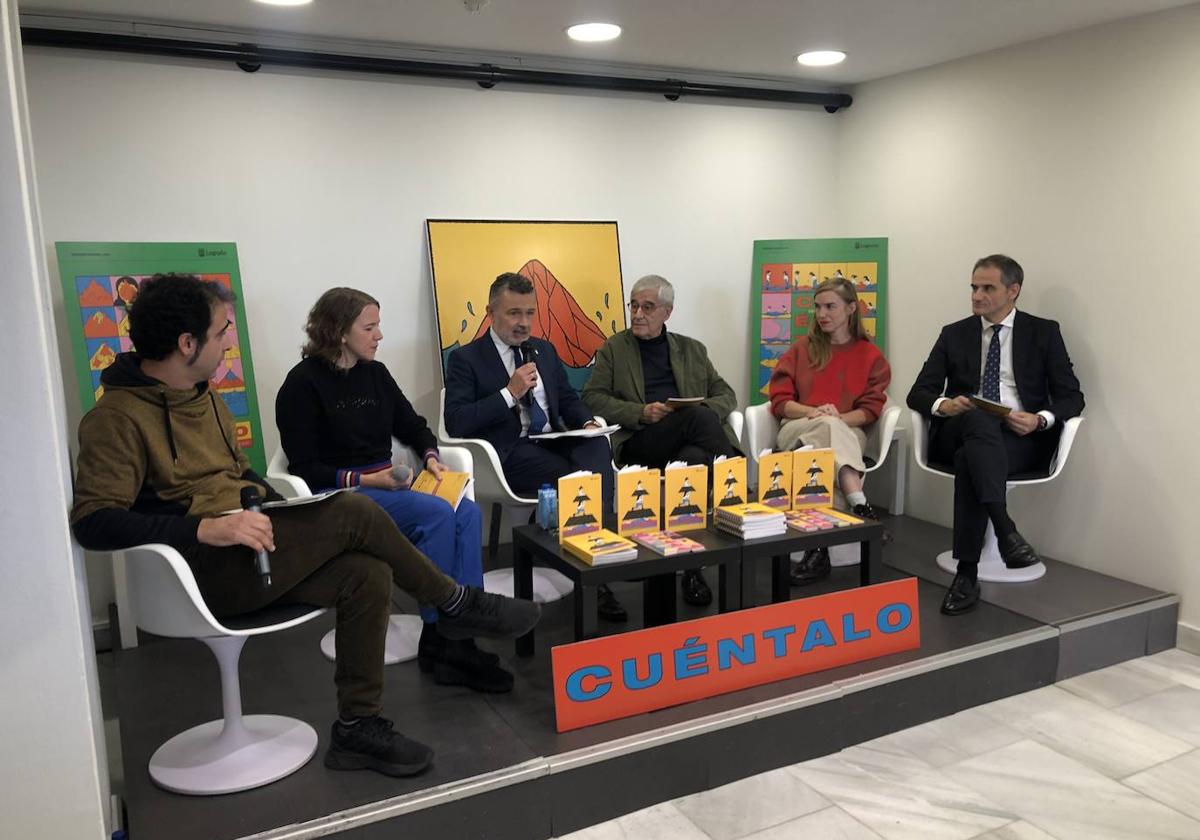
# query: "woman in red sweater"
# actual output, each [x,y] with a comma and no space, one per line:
[826,389]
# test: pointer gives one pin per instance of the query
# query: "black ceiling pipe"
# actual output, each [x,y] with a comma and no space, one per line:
[251,57]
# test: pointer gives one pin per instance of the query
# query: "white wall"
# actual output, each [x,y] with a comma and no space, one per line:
[327,180]
[52,778]
[1078,156]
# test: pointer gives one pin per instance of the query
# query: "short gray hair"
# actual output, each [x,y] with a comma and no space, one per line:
[661,286]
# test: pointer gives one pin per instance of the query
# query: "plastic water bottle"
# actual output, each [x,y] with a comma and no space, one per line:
[547,501]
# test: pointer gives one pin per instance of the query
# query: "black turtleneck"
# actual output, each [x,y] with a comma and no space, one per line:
[656,368]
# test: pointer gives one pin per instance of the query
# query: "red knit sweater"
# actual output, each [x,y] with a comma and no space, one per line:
[856,377]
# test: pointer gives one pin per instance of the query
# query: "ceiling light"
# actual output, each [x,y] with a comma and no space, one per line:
[285,2]
[593,32]
[821,58]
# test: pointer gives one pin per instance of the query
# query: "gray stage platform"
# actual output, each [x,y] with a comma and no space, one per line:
[502,771]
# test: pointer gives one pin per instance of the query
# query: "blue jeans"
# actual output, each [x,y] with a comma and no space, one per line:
[450,538]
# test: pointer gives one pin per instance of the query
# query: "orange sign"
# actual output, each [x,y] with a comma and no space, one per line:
[618,676]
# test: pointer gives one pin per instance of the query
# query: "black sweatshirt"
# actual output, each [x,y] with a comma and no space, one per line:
[332,421]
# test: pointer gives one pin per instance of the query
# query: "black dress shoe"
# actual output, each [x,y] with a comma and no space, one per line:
[865,511]
[962,596]
[608,608]
[695,588]
[810,568]
[1017,553]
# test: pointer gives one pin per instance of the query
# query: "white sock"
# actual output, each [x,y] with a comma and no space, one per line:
[856,499]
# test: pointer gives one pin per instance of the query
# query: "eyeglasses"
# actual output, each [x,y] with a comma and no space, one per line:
[648,308]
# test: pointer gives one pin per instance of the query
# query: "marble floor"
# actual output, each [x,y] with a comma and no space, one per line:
[1110,754]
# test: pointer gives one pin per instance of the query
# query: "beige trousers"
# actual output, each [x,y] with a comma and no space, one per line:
[825,432]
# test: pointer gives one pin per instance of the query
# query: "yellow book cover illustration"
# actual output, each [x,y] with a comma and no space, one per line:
[812,478]
[598,547]
[637,501]
[579,506]
[729,482]
[685,498]
[452,486]
[775,480]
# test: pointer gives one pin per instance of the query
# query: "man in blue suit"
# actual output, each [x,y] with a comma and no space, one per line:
[507,385]
[1006,356]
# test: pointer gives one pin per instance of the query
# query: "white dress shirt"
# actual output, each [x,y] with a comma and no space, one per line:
[1008,382]
[539,390]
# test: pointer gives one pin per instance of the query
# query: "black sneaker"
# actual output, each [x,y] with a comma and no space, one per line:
[459,662]
[865,511]
[811,568]
[487,614]
[430,645]
[371,744]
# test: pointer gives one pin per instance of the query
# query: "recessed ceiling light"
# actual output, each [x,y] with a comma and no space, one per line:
[821,58]
[285,2]
[593,32]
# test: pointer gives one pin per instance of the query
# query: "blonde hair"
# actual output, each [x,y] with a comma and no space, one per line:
[819,346]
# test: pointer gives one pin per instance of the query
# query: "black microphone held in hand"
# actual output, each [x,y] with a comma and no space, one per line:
[528,354]
[252,500]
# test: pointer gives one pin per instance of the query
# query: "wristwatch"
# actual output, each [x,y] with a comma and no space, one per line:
[1042,423]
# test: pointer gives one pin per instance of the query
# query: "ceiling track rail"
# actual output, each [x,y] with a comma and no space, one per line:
[251,57]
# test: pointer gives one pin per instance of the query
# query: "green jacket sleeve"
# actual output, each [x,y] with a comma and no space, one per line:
[601,396]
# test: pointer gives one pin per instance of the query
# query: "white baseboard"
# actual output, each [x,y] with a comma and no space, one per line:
[1188,638]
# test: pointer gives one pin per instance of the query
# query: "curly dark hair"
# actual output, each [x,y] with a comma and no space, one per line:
[170,305]
[330,319]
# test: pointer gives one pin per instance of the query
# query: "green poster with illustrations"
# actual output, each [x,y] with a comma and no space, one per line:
[101,279]
[781,294]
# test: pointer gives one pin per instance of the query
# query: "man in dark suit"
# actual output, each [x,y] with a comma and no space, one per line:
[1008,357]
[506,385]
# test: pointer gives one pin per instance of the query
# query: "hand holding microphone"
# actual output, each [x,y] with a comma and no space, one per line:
[252,501]
[524,378]
[529,354]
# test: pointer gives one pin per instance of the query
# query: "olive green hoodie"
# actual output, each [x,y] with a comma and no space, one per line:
[154,461]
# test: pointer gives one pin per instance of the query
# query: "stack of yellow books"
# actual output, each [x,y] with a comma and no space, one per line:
[599,547]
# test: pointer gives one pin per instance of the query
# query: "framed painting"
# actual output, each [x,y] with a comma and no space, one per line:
[575,268]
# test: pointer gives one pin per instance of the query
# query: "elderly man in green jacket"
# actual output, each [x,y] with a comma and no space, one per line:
[638,373]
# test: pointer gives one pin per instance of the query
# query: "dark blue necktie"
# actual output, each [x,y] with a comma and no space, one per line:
[537,417]
[991,370]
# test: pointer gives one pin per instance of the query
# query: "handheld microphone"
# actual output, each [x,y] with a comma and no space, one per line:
[251,500]
[528,354]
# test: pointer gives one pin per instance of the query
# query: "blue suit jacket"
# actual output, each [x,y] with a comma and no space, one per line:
[475,408]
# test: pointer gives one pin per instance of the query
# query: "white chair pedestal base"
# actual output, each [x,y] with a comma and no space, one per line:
[215,758]
[991,564]
[237,752]
[403,634]
[548,585]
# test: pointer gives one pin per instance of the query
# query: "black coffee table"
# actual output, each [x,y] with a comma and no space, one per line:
[777,549]
[531,546]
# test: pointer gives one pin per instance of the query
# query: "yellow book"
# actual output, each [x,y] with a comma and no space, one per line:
[452,486]
[729,482]
[599,547]
[579,505]
[812,478]
[685,498]
[775,480]
[638,501]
